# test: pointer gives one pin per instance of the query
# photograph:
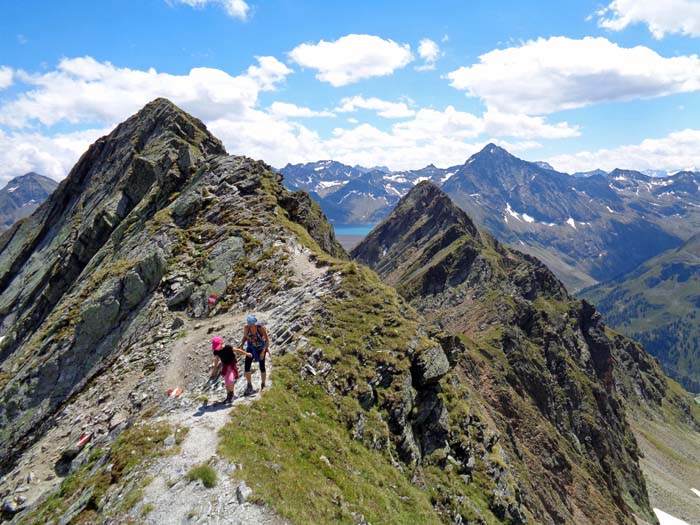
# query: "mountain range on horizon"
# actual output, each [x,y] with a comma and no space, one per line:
[594,228]
[299,170]
[438,377]
[588,229]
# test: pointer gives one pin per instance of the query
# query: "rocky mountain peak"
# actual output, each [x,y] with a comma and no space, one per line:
[131,173]
[424,216]
[152,220]
[162,121]
[493,149]
[427,205]
[27,177]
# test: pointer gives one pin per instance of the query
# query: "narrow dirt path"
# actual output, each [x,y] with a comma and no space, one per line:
[170,497]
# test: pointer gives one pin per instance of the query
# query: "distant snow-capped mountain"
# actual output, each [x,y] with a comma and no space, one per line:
[588,228]
[22,195]
[355,194]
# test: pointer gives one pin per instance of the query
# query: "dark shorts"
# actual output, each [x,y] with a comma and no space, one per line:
[249,362]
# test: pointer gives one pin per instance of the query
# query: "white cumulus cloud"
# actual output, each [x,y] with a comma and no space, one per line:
[352,58]
[431,123]
[383,108]
[85,90]
[6,75]
[676,151]
[234,8]
[429,51]
[660,16]
[94,96]
[268,73]
[53,156]
[548,75]
[400,149]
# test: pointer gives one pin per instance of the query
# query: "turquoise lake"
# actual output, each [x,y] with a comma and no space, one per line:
[353,229]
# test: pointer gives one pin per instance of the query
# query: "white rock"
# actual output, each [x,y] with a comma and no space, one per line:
[243,492]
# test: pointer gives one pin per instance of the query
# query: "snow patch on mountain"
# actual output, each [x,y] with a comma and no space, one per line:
[512,213]
[331,183]
[447,176]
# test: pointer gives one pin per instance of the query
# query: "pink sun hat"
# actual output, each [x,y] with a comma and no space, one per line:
[217,343]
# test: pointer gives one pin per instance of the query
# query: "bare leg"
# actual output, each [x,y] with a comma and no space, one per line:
[249,378]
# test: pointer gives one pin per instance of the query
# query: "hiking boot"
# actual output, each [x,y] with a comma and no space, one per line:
[229,397]
[262,386]
[249,390]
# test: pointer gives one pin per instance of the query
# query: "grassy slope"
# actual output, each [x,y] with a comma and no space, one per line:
[302,423]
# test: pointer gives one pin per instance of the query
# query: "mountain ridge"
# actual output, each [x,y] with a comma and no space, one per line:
[491,300]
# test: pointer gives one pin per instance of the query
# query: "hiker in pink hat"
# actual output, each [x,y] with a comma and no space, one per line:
[226,354]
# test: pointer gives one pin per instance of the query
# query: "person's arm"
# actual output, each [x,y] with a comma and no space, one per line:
[245,336]
[267,343]
[242,352]
[215,366]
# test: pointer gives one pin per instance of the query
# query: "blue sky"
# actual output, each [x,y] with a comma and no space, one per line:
[580,84]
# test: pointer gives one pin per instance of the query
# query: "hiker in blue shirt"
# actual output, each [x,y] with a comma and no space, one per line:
[256,342]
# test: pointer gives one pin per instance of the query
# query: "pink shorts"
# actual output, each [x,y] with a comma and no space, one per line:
[230,373]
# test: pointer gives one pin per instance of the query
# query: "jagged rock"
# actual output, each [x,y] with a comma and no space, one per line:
[97,317]
[304,210]
[181,296]
[133,289]
[429,366]
[10,506]
[187,206]
[223,258]
[76,508]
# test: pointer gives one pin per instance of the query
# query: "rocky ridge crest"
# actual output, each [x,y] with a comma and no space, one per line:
[554,379]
